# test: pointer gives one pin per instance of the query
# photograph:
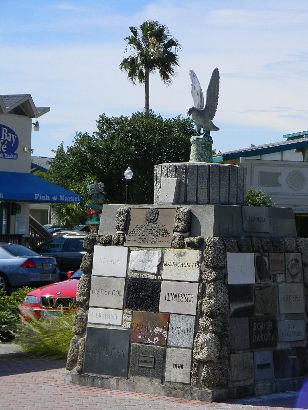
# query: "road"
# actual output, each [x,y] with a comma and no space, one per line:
[32,383]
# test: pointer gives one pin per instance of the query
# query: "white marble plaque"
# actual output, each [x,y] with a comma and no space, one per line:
[100,316]
[181,264]
[291,298]
[291,330]
[110,261]
[181,330]
[178,297]
[241,268]
[178,365]
[107,292]
[144,261]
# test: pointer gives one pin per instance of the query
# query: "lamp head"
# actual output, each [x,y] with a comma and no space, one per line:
[128,174]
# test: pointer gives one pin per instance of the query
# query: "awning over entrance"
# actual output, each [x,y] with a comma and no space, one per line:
[16,186]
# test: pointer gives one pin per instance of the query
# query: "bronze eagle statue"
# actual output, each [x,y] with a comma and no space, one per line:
[202,115]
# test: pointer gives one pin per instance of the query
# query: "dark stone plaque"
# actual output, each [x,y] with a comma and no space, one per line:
[147,361]
[239,333]
[241,298]
[276,263]
[264,368]
[262,268]
[265,300]
[149,328]
[151,227]
[107,351]
[290,363]
[294,269]
[142,294]
[262,332]
[255,219]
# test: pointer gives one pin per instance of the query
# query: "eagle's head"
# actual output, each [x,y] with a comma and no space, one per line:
[190,110]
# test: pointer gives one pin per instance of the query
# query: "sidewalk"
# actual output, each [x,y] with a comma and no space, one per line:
[31,383]
[9,349]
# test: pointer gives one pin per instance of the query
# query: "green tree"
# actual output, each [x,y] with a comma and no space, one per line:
[139,141]
[152,48]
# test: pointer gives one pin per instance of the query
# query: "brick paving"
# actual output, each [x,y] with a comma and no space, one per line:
[27,383]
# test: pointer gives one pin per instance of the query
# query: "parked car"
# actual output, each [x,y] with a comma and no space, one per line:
[21,266]
[52,299]
[66,248]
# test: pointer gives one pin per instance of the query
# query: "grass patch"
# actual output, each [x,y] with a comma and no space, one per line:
[49,337]
[9,313]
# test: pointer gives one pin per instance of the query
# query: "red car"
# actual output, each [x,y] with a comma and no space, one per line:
[51,299]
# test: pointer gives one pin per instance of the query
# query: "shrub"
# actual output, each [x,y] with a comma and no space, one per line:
[9,314]
[258,198]
[49,337]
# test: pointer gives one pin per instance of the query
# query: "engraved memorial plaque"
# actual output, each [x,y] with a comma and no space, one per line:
[255,219]
[152,227]
[276,263]
[291,330]
[241,268]
[291,298]
[181,330]
[242,368]
[142,294]
[100,316]
[294,269]
[290,363]
[147,361]
[181,265]
[149,328]
[178,297]
[146,261]
[107,351]
[265,300]
[107,292]
[110,261]
[239,333]
[264,366]
[241,299]
[262,332]
[178,365]
[262,268]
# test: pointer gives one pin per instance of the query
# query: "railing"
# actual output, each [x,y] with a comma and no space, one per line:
[29,242]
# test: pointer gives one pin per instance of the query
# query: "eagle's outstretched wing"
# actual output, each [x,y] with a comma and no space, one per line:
[212,94]
[196,90]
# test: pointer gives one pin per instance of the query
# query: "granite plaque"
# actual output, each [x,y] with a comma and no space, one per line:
[169,190]
[242,368]
[102,316]
[241,299]
[151,227]
[107,351]
[178,297]
[262,268]
[110,261]
[181,265]
[262,332]
[255,219]
[291,330]
[265,300]
[276,263]
[149,328]
[178,365]
[239,333]
[264,366]
[142,294]
[107,292]
[241,268]
[147,361]
[291,298]
[294,269]
[181,330]
[145,261]
[290,363]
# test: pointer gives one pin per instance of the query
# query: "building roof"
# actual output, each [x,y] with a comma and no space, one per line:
[21,104]
[40,163]
[292,142]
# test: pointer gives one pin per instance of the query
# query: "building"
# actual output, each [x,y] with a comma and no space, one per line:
[279,169]
[18,186]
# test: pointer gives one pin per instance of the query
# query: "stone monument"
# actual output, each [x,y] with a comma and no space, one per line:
[196,296]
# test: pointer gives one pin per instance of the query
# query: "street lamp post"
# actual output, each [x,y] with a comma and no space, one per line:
[128,175]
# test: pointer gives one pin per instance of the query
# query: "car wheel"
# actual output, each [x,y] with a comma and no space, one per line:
[4,284]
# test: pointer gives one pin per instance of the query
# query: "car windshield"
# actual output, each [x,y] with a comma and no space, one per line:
[18,250]
[77,274]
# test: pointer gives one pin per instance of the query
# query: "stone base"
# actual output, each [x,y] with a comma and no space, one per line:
[142,385]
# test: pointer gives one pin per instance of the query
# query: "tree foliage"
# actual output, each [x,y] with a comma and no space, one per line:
[258,198]
[152,48]
[139,141]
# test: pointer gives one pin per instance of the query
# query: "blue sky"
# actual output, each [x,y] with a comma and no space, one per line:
[67,55]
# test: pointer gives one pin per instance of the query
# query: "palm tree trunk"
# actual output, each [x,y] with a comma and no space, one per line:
[147,91]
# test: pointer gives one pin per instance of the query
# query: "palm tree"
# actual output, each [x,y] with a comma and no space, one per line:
[152,48]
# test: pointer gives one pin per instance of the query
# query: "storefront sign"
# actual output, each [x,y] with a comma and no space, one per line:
[9,142]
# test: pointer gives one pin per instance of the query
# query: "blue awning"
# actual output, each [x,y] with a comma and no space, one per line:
[17,186]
